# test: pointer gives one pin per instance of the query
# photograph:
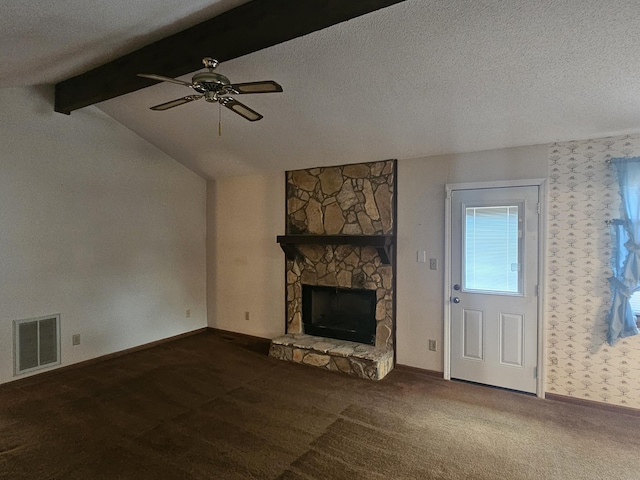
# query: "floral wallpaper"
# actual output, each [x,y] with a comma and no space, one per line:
[583,195]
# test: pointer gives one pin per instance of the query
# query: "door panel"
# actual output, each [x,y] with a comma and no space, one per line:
[473,334]
[511,339]
[494,267]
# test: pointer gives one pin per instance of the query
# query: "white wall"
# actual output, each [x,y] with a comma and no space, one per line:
[96,225]
[245,265]
[421,198]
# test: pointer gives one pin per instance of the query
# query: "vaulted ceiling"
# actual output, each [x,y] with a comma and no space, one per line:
[417,78]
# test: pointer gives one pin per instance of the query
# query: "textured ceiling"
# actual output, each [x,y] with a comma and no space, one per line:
[422,77]
[46,41]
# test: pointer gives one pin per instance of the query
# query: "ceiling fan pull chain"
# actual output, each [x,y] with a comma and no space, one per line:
[219,119]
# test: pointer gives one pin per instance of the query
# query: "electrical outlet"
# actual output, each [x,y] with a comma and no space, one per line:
[246,316]
[187,314]
[75,339]
[433,345]
[433,263]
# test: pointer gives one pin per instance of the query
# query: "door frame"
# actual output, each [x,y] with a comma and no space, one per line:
[541,183]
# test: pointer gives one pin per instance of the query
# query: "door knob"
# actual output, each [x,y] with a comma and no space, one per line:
[455,300]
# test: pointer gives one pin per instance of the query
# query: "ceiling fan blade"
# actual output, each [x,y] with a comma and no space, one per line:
[163,79]
[240,109]
[268,86]
[176,102]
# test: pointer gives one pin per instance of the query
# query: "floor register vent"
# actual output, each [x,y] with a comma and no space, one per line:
[36,343]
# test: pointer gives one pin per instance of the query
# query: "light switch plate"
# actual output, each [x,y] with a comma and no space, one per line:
[422,256]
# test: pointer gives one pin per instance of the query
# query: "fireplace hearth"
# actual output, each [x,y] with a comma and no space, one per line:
[340,313]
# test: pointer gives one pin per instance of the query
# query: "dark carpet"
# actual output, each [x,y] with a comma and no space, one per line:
[214,406]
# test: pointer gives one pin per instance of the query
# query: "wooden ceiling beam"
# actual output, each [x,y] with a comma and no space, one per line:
[245,29]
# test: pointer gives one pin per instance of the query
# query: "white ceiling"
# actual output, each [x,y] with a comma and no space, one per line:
[420,78]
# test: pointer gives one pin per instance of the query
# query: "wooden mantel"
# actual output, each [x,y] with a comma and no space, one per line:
[382,243]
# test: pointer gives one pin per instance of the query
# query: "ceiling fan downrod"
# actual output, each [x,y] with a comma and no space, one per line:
[210,63]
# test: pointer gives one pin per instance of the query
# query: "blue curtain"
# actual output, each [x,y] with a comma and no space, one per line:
[626,251]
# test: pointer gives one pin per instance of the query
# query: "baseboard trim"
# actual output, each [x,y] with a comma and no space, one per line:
[219,331]
[634,412]
[419,371]
[20,382]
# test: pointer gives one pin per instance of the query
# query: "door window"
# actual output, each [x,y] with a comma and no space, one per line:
[492,249]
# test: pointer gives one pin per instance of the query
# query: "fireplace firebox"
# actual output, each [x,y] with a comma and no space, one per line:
[340,313]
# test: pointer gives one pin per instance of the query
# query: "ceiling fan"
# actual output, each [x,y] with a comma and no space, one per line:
[215,87]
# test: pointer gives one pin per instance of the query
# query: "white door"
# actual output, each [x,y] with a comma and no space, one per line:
[493,298]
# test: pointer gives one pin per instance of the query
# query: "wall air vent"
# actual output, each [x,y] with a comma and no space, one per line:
[36,343]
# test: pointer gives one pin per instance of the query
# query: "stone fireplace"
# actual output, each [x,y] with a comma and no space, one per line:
[340,274]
